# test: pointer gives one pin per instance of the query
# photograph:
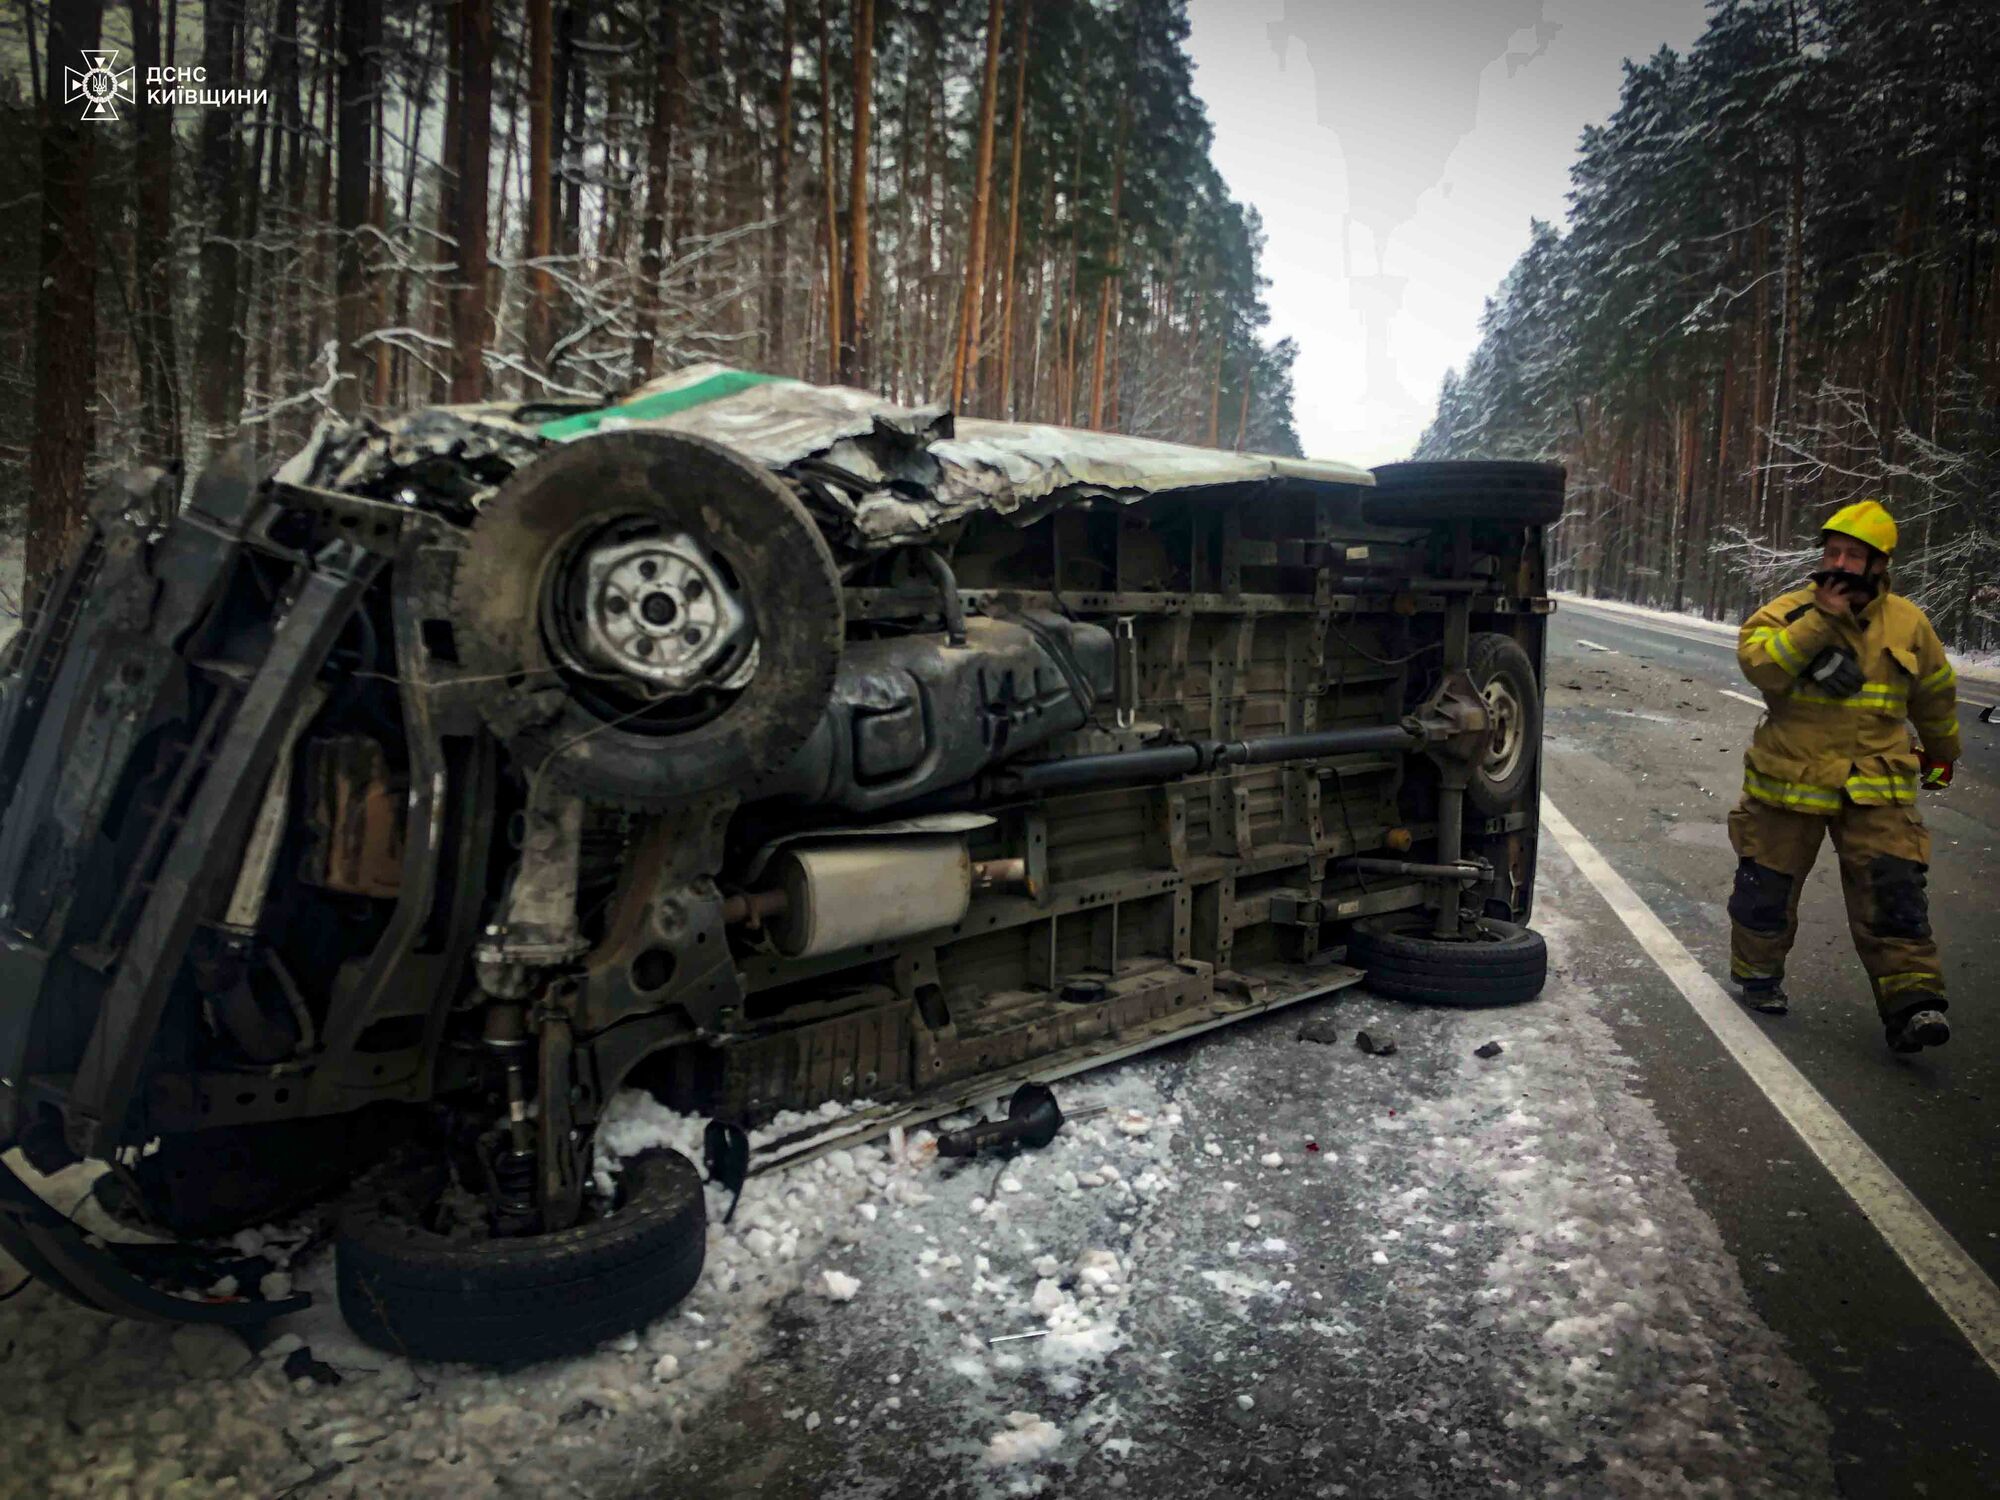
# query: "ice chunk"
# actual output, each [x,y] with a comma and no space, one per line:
[1097,1268]
[1025,1439]
[837,1286]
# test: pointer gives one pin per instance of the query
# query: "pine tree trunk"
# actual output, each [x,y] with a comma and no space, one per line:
[540,238]
[355,170]
[1215,397]
[781,199]
[1685,512]
[967,354]
[828,151]
[153,228]
[853,343]
[1109,288]
[475,118]
[573,116]
[1007,403]
[659,159]
[219,347]
[1759,445]
[450,186]
[65,305]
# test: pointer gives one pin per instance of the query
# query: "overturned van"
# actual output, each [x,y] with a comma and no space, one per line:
[375,817]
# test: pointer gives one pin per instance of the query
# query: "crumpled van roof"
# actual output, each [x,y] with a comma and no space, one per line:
[887,475]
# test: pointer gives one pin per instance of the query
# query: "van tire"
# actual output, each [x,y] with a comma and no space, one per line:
[1442,491]
[509,1302]
[1495,963]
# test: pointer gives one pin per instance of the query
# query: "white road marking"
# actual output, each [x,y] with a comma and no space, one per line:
[1695,632]
[1595,647]
[1954,1280]
[1742,697]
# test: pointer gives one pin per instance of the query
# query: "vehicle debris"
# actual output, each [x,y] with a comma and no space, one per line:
[1033,1118]
[300,1365]
[726,1152]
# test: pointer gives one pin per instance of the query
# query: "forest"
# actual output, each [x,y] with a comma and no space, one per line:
[1779,290]
[1001,205]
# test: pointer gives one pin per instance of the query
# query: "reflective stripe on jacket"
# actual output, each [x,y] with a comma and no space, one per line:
[1812,748]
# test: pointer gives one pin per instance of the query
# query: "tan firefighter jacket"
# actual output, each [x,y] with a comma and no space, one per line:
[1811,746]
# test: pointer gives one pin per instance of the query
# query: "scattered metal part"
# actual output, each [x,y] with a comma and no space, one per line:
[1033,1118]
[300,1365]
[725,1147]
[1008,1338]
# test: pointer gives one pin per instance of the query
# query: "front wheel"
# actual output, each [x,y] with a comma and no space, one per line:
[1491,963]
[409,1285]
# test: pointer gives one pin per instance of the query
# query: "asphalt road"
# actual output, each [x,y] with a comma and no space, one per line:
[1644,750]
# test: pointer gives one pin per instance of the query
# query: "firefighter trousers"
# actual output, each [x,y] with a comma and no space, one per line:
[1884,853]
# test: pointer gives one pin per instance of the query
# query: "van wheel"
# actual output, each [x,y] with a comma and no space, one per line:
[1511,493]
[1492,963]
[1506,680]
[410,1289]
[650,617]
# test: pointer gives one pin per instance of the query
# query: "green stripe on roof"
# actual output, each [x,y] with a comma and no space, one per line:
[660,404]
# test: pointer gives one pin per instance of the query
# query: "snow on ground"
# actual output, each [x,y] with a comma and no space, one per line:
[96,1406]
[1263,1263]
[1460,1276]
[1981,667]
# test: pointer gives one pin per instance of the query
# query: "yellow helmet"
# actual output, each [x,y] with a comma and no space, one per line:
[1867,522]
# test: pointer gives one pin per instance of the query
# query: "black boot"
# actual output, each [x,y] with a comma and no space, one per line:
[1918,1026]
[1765,996]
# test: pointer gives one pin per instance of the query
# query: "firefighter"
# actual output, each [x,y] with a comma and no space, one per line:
[1845,667]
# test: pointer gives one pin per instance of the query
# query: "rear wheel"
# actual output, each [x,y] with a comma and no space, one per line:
[1506,680]
[411,1287]
[1490,963]
[1441,491]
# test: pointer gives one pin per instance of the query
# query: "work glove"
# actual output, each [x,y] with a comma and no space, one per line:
[1835,672]
[1936,774]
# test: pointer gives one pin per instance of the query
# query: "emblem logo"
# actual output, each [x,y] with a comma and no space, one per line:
[100,86]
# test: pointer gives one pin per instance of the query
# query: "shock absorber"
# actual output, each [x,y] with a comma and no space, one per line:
[513,1161]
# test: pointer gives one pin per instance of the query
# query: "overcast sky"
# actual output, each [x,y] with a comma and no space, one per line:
[1397,150]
